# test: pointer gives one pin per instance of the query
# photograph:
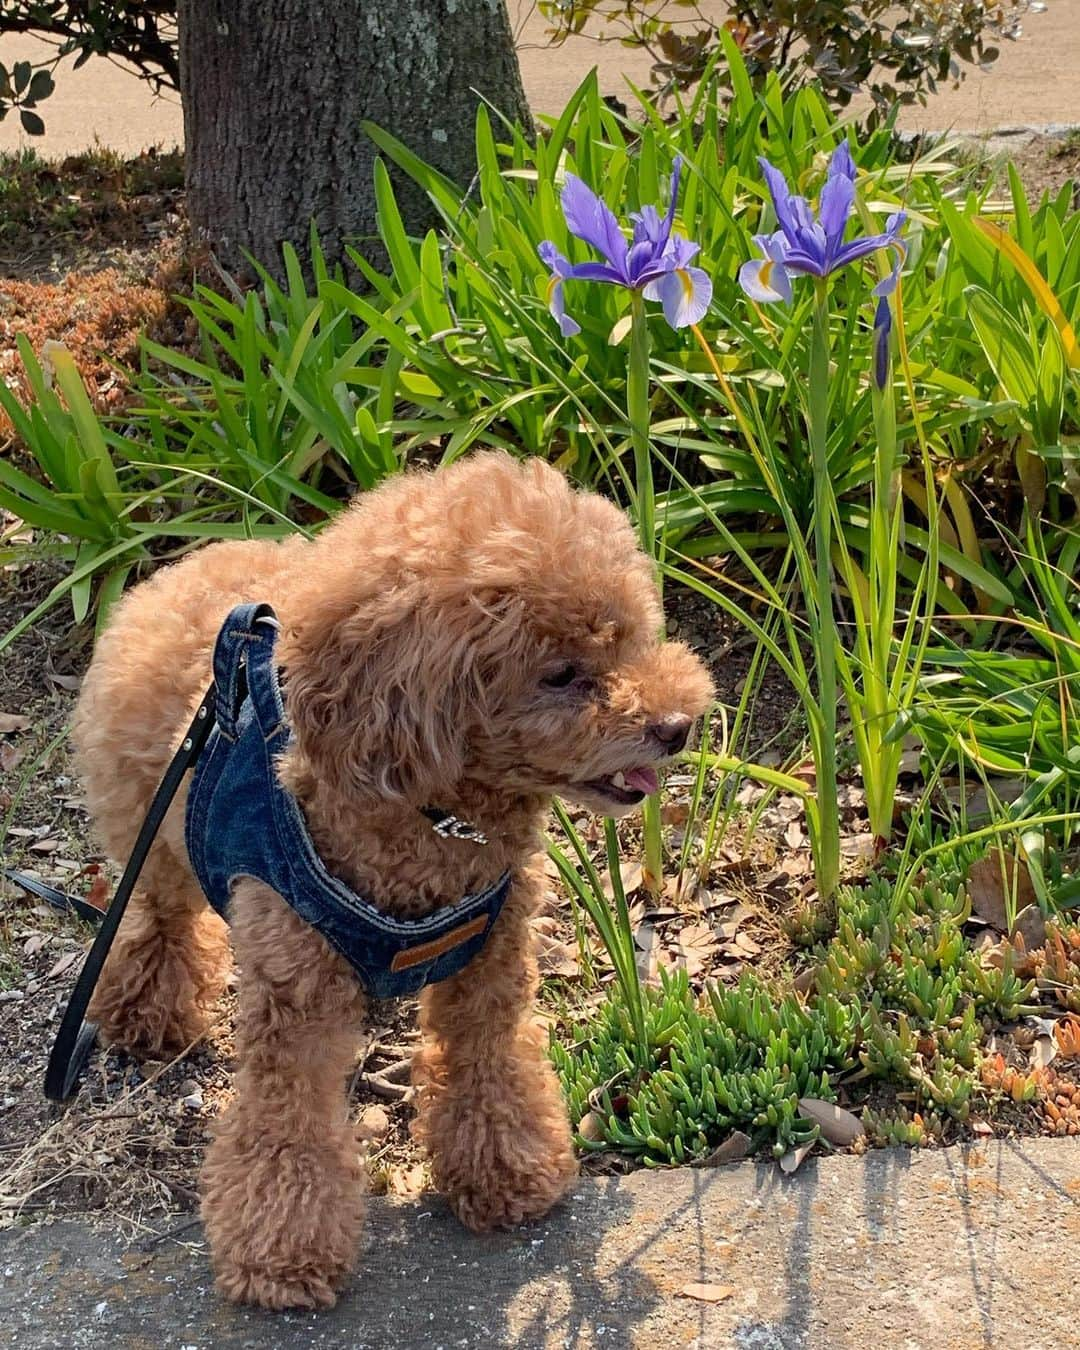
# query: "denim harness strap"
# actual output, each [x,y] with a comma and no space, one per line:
[240,822]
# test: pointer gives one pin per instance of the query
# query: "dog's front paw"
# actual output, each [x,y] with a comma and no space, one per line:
[499,1176]
[283,1217]
[278,1291]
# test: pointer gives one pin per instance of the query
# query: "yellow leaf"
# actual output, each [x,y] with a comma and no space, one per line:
[1047,300]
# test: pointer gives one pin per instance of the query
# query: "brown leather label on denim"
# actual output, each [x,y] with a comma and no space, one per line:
[416,956]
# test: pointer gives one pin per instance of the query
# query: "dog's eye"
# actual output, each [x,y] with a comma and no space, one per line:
[561,678]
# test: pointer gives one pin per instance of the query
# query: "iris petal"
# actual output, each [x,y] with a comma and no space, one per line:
[765,280]
[669,219]
[685,294]
[860,248]
[655,261]
[551,257]
[837,199]
[591,219]
[841,165]
[557,304]
[680,251]
[784,204]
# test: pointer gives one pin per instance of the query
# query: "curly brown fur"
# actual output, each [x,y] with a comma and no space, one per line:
[478,639]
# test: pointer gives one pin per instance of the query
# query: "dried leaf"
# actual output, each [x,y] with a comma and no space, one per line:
[647,952]
[12,722]
[71,682]
[554,957]
[674,813]
[591,1126]
[631,879]
[372,1123]
[734,1148]
[45,845]
[993,884]
[708,1293]
[64,963]
[726,929]
[792,1160]
[10,756]
[405,1181]
[1043,1052]
[695,947]
[745,945]
[98,892]
[857,847]
[838,1126]
[806,980]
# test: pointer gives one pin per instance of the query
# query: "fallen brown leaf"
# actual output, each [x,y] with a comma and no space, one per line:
[745,945]
[631,875]
[675,813]
[405,1181]
[372,1124]
[70,682]
[838,1126]
[13,722]
[647,952]
[708,1293]
[554,957]
[993,884]
[695,947]
[591,1127]
[734,1148]
[728,926]
[64,963]
[792,1160]
[98,892]
[10,756]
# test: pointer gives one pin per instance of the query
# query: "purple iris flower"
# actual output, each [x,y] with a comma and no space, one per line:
[654,261]
[816,247]
[808,246]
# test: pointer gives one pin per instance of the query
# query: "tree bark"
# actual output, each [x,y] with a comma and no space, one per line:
[274,94]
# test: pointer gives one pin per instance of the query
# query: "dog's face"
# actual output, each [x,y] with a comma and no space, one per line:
[514,643]
[588,701]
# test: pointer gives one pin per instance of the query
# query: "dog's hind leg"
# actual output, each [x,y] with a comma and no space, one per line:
[167,966]
[491,1114]
[282,1197]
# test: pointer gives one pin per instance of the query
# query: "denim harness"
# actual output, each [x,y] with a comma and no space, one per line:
[241,822]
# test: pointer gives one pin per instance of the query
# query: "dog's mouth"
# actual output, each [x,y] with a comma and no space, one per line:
[626,788]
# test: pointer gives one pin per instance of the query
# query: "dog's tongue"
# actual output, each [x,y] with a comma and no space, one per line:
[642,780]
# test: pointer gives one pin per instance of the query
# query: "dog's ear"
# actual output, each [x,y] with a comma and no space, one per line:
[381,697]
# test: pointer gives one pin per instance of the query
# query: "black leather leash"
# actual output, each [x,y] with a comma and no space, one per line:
[76,1036]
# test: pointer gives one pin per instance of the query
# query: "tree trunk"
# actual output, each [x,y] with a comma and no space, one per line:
[274,94]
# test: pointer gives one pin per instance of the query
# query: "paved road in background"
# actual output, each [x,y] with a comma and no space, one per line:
[1036,81]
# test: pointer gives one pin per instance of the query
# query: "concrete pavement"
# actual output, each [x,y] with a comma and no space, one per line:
[952,1249]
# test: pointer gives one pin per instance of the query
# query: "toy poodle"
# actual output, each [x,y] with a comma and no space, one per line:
[457,647]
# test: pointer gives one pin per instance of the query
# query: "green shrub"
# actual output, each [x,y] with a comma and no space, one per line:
[896,53]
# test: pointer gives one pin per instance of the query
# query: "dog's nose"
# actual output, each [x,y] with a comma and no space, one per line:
[672,731]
